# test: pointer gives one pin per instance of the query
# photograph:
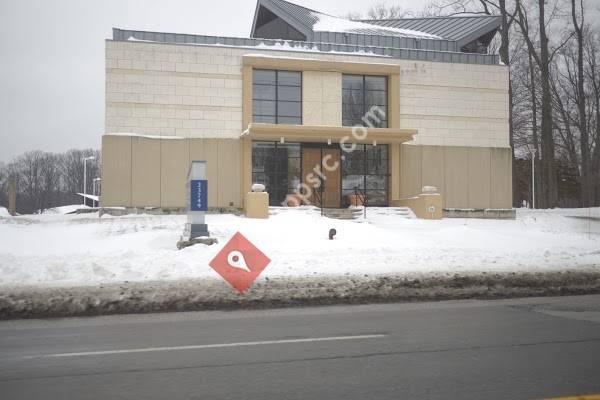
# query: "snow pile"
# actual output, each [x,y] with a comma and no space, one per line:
[4,212]
[328,23]
[73,250]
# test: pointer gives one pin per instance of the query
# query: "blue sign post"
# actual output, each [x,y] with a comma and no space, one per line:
[197,201]
[199,195]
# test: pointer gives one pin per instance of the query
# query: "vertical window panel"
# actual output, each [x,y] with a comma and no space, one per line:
[359,94]
[278,167]
[277,97]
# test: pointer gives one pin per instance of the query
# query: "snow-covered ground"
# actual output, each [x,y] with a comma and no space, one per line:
[64,209]
[75,250]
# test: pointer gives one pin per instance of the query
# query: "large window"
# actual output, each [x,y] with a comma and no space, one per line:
[278,167]
[365,170]
[277,97]
[359,94]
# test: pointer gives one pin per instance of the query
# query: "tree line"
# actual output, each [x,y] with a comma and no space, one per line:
[45,180]
[553,50]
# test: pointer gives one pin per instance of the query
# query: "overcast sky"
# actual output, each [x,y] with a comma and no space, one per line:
[52,58]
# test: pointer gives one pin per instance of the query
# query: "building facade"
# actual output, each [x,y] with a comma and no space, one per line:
[394,104]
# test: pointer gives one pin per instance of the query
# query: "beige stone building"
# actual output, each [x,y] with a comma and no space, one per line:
[284,107]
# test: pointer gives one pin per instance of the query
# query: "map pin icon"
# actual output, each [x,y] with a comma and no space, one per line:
[236,260]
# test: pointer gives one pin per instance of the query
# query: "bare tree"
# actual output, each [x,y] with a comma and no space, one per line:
[508,18]
[3,185]
[51,178]
[554,91]
[438,8]
[72,170]
[543,57]
[593,71]
[46,180]
[30,168]
[579,26]
[383,10]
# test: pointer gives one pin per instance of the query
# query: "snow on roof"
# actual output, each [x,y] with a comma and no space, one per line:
[287,47]
[88,196]
[328,23]
[143,136]
[281,46]
[308,59]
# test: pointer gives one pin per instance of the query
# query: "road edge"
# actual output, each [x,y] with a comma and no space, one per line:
[214,294]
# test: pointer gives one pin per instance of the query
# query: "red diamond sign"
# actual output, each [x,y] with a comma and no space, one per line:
[239,262]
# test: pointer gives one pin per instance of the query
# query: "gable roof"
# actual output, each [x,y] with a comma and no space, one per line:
[309,21]
[297,16]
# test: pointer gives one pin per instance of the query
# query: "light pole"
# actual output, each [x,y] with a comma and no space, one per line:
[94,189]
[533,151]
[85,160]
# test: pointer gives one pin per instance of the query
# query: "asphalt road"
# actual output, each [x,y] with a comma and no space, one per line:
[508,349]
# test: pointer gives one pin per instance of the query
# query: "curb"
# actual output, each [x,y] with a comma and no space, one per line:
[213,294]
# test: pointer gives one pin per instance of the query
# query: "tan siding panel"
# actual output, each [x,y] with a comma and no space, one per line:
[410,180]
[432,161]
[229,175]
[479,177]
[116,171]
[145,182]
[456,167]
[175,163]
[501,178]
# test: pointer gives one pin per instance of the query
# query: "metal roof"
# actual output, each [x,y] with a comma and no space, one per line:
[426,39]
[305,20]
[462,29]
[437,33]
[303,15]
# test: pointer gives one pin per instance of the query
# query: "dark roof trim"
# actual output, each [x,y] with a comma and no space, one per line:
[125,35]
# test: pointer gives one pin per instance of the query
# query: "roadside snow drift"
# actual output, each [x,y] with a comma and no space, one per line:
[80,250]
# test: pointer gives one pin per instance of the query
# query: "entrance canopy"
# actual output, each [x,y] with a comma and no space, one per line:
[335,134]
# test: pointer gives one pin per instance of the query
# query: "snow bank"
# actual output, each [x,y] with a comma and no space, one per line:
[78,250]
[4,212]
[64,209]
[210,294]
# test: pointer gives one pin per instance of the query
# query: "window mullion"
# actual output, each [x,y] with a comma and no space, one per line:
[364,96]
[276,98]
